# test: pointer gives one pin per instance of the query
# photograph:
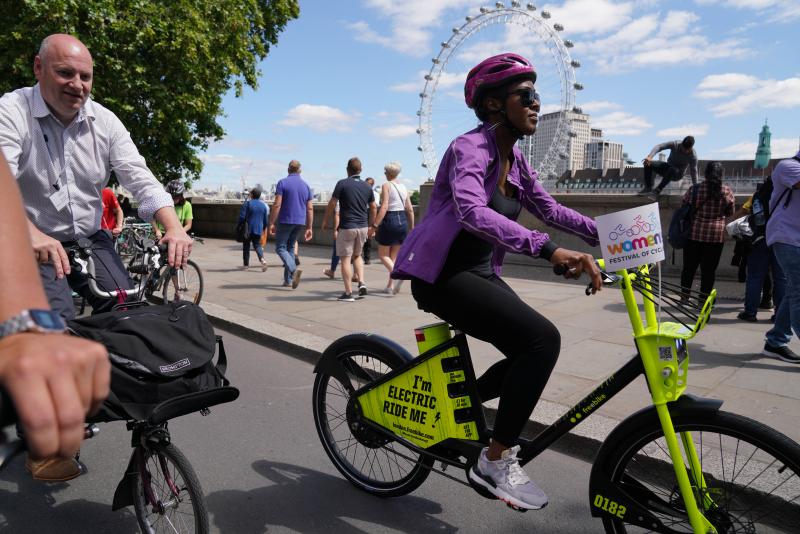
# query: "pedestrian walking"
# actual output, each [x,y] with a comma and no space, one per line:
[356,218]
[255,213]
[714,201]
[783,236]
[681,156]
[292,212]
[395,218]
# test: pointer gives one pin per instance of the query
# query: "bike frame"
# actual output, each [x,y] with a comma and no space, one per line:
[399,403]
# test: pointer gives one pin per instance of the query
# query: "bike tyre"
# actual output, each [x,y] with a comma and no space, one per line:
[179,465]
[193,272]
[418,471]
[719,423]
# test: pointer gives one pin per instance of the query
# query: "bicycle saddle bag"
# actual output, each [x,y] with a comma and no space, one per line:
[157,353]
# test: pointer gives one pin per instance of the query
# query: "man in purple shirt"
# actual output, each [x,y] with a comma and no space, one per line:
[783,235]
[293,211]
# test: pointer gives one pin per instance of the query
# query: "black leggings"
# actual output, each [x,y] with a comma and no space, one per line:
[704,255]
[489,310]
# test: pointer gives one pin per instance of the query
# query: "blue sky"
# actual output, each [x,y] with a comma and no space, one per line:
[345,79]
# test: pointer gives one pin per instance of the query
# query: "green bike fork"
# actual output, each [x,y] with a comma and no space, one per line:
[700,525]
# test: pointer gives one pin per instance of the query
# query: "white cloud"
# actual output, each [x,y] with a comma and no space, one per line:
[743,93]
[591,16]
[598,105]
[681,131]
[447,80]
[781,147]
[650,40]
[318,118]
[396,131]
[621,123]
[773,10]
[393,126]
[229,167]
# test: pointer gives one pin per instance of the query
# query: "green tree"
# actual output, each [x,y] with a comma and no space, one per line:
[415,198]
[162,67]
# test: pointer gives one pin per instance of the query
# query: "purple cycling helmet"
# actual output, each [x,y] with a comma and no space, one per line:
[494,72]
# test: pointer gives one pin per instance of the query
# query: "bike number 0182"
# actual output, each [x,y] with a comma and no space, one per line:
[610,506]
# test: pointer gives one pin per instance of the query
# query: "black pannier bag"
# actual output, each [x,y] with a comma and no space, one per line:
[157,353]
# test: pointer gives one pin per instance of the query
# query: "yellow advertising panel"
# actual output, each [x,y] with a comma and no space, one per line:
[426,404]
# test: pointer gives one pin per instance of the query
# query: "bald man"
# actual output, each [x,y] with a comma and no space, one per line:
[62,147]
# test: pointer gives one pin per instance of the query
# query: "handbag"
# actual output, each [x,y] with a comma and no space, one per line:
[680,227]
[740,228]
[242,229]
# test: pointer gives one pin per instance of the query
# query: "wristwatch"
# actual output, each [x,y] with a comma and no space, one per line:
[41,321]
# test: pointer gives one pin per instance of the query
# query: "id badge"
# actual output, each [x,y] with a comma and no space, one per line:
[60,199]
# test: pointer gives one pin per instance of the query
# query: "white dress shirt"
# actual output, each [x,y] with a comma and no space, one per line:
[61,171]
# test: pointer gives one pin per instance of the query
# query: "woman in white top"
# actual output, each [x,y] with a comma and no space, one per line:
[395,219]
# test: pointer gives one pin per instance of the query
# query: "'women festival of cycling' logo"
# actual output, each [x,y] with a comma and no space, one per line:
[631,237]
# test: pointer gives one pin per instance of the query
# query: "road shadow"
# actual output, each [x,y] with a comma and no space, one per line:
[304,500]
[33,508]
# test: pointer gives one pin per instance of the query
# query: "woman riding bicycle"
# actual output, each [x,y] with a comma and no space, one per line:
[454,259]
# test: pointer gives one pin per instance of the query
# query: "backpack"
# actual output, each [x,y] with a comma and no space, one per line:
[759,214]
[157,353]
[242,230]
[680,227]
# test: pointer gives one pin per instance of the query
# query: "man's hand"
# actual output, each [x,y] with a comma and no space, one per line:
[55,381]
[647,161]
[370,232]
[576,263]
[272,229]
[179,246]
[49,250]
[116,231]
[309,234]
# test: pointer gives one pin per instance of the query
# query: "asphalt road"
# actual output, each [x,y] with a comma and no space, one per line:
[263,470]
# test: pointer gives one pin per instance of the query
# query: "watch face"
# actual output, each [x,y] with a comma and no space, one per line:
[49,320]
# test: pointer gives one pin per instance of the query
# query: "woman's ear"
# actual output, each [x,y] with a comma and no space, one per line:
[492,104]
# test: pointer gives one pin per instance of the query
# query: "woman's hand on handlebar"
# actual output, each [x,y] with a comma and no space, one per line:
[576,263]
[55,381]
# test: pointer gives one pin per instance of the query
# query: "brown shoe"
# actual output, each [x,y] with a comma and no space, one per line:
[54,469]
[296,278]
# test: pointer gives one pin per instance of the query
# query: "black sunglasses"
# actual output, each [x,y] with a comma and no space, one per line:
[527,96]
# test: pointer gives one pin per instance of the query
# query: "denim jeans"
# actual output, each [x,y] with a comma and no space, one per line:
[787,318]
[760,261]
[285,238]
[256,240]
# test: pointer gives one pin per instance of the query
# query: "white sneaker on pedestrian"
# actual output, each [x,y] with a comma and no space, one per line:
[505,479]
[263,266]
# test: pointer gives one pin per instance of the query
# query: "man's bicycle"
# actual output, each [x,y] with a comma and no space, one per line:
[387,420]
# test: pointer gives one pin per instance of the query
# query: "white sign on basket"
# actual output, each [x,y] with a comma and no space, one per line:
[631,237]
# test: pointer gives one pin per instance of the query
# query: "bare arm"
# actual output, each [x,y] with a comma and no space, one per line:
[309,221]
[329,210]
[384,204]
[409,212]
[120,220]
[54,380]
[273,215]
[179,245]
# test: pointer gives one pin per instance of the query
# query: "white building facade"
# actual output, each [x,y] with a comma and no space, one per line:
[535,147]
[602,154]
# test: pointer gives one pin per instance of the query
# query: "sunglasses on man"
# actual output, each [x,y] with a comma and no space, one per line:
[527,96]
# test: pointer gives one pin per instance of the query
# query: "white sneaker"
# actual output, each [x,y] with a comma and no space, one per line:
[263,266]
[505,479]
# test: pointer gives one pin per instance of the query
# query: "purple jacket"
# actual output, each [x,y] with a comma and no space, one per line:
[464,184]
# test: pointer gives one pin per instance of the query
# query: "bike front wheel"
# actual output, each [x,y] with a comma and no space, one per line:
[366,458]
[750,479]
[167,495]
[182,284]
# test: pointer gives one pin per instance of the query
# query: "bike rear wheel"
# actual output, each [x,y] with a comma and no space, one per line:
[751,473]
[182,284]
[177,504]
[366,458]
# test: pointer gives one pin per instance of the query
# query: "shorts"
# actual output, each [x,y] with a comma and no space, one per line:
[349,242]
[393,229]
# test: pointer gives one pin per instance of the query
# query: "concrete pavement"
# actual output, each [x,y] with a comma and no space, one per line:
[596,336]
